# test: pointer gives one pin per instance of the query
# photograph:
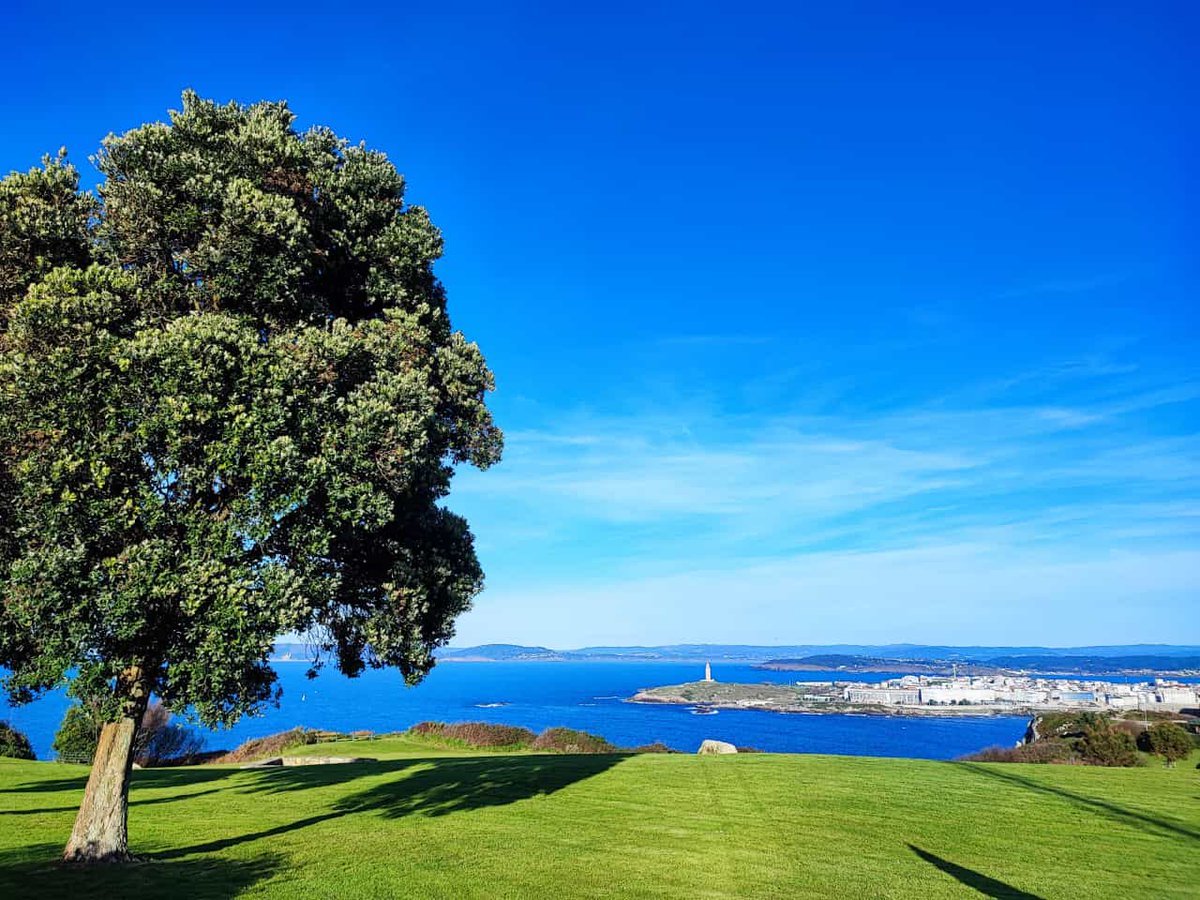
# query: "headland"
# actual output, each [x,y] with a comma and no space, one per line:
[916,695]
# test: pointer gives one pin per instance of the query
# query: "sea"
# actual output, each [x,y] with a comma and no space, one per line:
[585,695]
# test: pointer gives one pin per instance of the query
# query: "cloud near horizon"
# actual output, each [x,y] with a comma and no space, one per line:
[1009,519]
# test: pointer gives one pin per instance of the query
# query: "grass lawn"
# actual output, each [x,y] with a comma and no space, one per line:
[426,821]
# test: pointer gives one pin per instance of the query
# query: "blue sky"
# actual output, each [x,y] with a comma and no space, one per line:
[817,323]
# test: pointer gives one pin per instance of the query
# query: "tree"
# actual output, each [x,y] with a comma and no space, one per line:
[160,741]
[1103,745]
[231,403]
[79,733]
[1170,741]
[14,743]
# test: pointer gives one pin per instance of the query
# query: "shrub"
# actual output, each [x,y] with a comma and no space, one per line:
[428,729]
[1170,741]
[271,745]
[156,743]
[1043,751]
[78,734]
[14,744]
[1048,751]
[476,734]
[154,720]
[568,740]
[991,754]
[655,747]
[159,742]
[170,745]
[1085,738]
[1102,745]
[1070,724]
[1131,728]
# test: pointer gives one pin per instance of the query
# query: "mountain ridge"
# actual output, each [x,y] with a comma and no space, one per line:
[871,657]
[752,652]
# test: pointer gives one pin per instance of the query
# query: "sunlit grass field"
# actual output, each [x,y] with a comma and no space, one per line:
[425,821]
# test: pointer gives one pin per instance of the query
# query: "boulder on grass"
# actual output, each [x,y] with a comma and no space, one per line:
[713,748]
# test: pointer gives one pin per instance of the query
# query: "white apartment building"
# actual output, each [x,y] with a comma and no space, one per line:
[886,696]
[1176,696]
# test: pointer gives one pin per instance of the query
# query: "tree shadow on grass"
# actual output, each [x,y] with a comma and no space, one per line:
[987,886]
[454,785]
[48,785]
[182,776]
[431,787]
[1141,821]
[132,803]
[34,871]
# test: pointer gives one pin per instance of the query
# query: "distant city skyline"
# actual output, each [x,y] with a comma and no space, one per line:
[838,325]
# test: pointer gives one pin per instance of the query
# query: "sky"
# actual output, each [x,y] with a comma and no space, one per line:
[814,323]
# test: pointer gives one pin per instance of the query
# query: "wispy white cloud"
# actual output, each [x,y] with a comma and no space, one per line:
[804,470]
[951,593]
[939,514]
[707,471]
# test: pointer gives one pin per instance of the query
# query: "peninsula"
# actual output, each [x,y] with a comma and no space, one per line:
[937,696]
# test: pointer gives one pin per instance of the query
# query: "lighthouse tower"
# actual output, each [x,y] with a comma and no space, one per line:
[708,672]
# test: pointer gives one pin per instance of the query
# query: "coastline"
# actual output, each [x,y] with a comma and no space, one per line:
[842,709]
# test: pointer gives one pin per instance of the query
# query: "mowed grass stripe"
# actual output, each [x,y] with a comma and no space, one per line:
[431,822]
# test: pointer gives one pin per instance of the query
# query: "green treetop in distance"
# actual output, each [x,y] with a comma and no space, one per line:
[231,401]
[1170,741]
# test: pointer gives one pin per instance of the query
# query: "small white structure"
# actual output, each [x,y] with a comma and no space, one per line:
[708,671]
[888,696]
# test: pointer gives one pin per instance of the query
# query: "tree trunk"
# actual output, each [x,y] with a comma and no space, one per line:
[101,833]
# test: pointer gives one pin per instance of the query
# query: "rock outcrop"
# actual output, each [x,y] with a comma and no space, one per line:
[714,748]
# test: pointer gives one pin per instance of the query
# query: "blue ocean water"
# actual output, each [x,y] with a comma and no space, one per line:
[585,695]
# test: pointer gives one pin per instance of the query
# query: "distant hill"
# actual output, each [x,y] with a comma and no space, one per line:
[1098,664]
[847,657]
[285,652]
[1129,656]
[1075,665]
[496,653]
[833,662]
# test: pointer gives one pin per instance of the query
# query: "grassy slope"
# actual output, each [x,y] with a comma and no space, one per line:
[430,822]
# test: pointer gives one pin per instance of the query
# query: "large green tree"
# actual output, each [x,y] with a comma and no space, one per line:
[231,402]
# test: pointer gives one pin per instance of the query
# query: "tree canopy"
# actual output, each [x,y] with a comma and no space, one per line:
[231,403]
[1170,741]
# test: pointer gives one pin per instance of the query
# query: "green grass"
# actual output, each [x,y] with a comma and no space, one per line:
[431,822]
